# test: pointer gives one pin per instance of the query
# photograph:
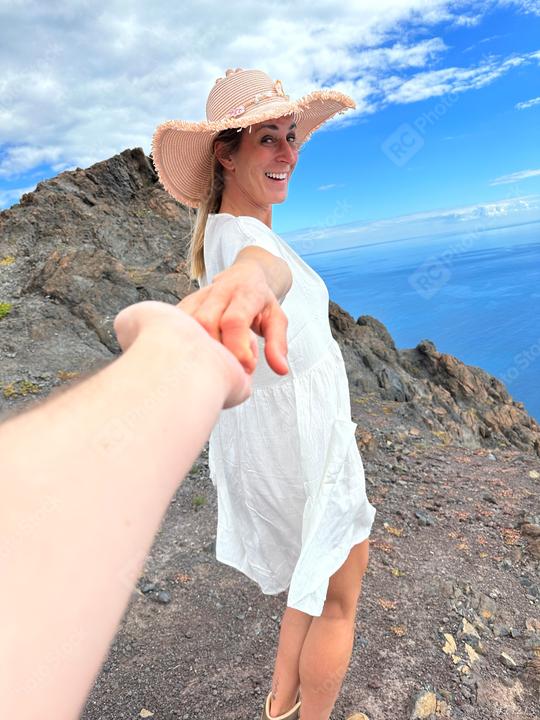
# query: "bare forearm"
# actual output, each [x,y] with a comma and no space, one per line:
[277,271]
[85,481]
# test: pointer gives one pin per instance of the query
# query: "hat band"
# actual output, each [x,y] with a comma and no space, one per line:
[277,91]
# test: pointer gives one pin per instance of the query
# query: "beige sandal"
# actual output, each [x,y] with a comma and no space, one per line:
[292,714]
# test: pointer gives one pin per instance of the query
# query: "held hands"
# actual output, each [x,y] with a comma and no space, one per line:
[235,306]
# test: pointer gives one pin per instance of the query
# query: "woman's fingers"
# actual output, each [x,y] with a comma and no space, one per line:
[192,304]
[273,326]
[237,336]
[232,312]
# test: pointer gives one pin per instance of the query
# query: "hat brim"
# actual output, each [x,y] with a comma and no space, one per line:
[182,150]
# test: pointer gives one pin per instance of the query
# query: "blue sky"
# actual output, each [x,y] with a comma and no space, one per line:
[446,129]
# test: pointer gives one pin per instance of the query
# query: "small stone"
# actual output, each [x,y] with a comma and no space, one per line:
[443,709]
[145,713]
[488,497]
[532,624]
[163,597]
[533,643]
[534,474]
[476,644]
[424,518]
[500,630]
[508,661]
[530,529]
[471,654]
[467,629]
[424,705]
[486,607]
[450,646]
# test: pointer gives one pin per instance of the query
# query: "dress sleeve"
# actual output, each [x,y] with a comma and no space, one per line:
[240,233]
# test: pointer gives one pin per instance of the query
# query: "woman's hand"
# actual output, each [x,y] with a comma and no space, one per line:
[237,304]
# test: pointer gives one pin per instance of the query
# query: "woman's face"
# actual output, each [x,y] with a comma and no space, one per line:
[270,147]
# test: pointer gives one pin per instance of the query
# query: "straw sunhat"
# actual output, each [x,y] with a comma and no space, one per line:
[182,150]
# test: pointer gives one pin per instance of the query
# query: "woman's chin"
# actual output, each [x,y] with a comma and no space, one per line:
[280,196]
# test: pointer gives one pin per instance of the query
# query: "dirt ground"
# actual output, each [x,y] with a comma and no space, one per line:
[448,621]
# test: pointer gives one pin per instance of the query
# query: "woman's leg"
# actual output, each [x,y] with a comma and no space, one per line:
[327,648]
[286,680]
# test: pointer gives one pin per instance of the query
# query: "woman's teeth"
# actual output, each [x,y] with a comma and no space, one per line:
[279,177]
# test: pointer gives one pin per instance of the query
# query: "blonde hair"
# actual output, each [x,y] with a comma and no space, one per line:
[231,139]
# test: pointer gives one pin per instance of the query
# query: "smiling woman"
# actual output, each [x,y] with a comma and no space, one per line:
[292,505]
[257,172]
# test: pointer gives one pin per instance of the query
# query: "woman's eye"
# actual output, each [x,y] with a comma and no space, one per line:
[291,137]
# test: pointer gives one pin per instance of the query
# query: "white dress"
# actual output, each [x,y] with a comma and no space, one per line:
[285,463]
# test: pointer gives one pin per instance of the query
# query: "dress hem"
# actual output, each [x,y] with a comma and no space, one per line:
[316,609]
[358,538]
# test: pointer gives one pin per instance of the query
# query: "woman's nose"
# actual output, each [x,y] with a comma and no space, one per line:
[289,151]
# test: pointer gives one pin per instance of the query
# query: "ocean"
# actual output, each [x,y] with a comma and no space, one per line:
[475,296]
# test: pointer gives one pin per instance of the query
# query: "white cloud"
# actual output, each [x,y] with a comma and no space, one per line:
[20,158]
[470,219]
[507,206]
[528,103]
[515,177]
[330,186]
[526,6]
[13,195]
[433,83]
[81,82]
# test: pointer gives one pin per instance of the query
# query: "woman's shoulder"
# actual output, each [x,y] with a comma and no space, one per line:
[246,223]
[242,230]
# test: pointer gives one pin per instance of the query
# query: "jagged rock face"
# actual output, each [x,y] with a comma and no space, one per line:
[468,404]
[87,243]
[77,250]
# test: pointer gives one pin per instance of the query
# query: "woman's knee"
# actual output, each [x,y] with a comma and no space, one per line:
[345,585]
